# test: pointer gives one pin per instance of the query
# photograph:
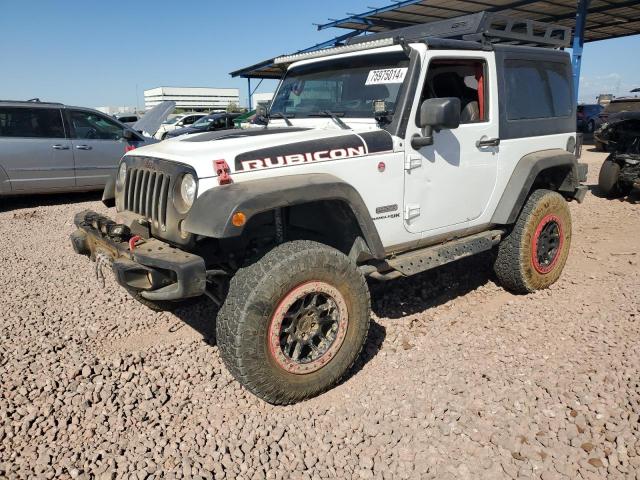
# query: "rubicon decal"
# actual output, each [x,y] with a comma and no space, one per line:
[297,158]
[334,148]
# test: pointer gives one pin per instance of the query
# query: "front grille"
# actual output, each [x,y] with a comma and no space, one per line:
[146,192]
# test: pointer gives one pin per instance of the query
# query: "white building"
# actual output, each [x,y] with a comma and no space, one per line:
[261,98]
[193,98]
[110,110]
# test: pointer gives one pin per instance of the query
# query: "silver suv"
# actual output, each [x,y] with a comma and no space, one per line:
[50,147]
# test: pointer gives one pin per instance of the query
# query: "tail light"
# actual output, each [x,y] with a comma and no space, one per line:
[128,148]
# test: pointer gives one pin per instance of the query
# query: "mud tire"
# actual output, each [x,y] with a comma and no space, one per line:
[517,266]
[255,297]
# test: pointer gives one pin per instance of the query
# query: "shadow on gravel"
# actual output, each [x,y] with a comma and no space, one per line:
[633,197]
[393,300]
[408,296]
[33,201]
[201,316]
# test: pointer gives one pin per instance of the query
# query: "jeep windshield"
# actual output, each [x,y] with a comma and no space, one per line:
[346,87]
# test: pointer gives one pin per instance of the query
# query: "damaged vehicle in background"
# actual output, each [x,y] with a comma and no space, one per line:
[620,172]
[609,114]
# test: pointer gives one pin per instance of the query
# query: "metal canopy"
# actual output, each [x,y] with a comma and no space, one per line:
[605,19]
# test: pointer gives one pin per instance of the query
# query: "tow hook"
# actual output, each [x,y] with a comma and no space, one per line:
[133,242]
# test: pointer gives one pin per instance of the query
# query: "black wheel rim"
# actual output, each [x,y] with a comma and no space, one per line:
[548,244]
[308,327]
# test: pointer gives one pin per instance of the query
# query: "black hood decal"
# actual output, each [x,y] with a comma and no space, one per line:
[333,148]
[236,133]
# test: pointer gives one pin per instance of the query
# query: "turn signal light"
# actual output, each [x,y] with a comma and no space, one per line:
[238,219]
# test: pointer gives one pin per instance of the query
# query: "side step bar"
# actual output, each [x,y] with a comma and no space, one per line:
[417,261]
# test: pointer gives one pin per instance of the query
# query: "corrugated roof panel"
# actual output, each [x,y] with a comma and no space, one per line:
[602,14]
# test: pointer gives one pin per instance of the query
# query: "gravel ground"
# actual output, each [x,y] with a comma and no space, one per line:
[459,378]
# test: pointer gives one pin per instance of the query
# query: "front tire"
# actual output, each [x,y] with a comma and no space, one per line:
[533,255]
[294,322]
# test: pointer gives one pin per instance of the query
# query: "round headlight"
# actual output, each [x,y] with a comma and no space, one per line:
[122,173]
[188,188]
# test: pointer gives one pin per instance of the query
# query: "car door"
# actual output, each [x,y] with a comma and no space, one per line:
[449,183]
[35,152]
[98,145]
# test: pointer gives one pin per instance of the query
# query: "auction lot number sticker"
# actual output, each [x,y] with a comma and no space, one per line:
[387,75]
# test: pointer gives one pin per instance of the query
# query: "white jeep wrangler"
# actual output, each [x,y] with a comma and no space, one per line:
[382,158]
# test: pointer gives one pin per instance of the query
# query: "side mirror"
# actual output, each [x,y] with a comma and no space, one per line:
[436,114]
[128,134]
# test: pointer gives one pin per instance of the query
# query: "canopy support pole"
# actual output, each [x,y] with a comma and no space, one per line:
[578,43]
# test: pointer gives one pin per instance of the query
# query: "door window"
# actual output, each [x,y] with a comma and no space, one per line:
[463,79]
[31,122]
[189,120]
[91,126]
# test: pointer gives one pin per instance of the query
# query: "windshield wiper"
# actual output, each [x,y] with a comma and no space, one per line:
[334,116]
[282,116]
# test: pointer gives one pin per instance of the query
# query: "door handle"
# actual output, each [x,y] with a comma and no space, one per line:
[60,147]
[83,147]
[488,142]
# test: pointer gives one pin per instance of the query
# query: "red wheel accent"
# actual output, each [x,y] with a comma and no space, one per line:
[548,266]
[300,320]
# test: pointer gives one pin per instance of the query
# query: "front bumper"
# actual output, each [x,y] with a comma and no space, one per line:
[154,269]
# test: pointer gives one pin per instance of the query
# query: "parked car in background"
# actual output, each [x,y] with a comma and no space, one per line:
[587,117]
[215,121]
[610,112]
[51,147]
[179,121]
[620,172]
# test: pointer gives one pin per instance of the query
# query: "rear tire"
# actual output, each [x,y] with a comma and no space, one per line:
[299,293]
[608,179]
[533,255]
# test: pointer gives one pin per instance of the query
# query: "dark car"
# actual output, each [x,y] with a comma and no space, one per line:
[587,117]
[215,121]
[620,172]
[610,113]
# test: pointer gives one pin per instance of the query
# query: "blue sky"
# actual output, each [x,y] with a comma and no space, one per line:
[95,53]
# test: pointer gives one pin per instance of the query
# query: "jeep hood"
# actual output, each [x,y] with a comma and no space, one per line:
[259,148]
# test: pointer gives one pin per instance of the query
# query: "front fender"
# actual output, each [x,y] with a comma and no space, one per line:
[211,214]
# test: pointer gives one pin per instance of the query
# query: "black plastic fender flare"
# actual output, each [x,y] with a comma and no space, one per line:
[211,213]
[528,168]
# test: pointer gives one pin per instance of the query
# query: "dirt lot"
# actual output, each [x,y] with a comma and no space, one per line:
[459,379]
